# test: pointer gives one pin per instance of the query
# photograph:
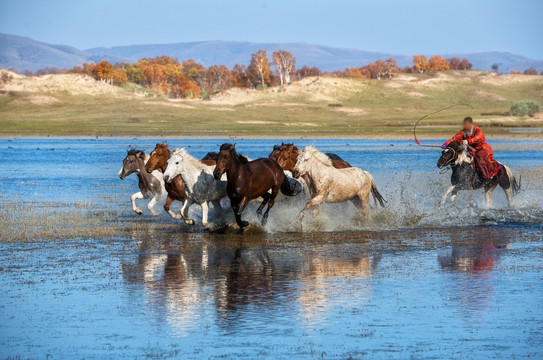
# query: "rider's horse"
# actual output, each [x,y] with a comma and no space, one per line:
[465,177]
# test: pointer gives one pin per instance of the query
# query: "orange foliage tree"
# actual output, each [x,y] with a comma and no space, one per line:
[437,63]
[183,87]
[240,78]
[259,68]
[103,71]
[420,63]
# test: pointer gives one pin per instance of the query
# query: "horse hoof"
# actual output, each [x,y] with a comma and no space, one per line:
[244,224]
[139,212]
[264,221]
[189,221]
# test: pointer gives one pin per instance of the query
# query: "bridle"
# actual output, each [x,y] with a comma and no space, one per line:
[447,166]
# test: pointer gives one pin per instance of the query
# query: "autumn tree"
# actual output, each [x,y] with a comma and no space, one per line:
[183,87]
[530,71]
[307,71]
[218,78]
[420,63]
[285,65]
[466,65]
[103,71]
[240,78]
[192,69]
[356,73]
[159,72]
[437,63]
[119,76]
[259,68]
[513,72]
[454,63]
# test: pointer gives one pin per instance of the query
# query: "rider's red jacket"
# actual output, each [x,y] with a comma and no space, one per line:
[482,152]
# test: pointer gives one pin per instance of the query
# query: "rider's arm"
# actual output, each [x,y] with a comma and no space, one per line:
[477,138]
[458,138]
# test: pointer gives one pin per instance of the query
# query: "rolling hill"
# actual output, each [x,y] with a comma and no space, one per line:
[24,53]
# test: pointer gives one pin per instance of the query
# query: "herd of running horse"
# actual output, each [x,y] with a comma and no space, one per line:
[325,177]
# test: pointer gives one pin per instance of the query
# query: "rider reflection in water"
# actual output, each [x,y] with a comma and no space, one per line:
[483,155]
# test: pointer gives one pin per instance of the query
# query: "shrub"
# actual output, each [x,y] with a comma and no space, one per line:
[526,107]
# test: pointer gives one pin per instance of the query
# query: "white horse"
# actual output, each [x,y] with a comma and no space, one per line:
[200,185]
[336,185]
[151,185]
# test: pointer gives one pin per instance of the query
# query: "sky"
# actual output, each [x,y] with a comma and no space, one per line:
[392,26]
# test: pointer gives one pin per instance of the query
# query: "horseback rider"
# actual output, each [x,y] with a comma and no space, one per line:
[473,138]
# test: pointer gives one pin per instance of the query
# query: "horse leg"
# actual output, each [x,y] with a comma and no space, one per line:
[454,194]
[266,197]
[167,204]
[185,212]
[488,195]
[509,195]
[317,200]
[271,202]
[238,209]
[444,198]
[133,198]
[364,197]
[205,213]
[151,205]
[217,205]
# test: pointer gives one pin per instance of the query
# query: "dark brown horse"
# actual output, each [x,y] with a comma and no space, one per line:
[286,156]
[175,188]
[249,180]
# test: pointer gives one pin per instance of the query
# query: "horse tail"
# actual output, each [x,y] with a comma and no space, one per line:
[515,185]
[377,197]
[289,189]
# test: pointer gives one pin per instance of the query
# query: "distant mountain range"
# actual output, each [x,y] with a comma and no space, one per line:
[26,54]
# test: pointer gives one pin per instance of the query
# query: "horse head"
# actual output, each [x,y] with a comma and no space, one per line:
[450,155]
[133,162]
[275,152]
[301,167]
[158,159]
[288,156]
[174,164]
[227,155]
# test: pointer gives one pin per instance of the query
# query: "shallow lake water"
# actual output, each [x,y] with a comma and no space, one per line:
[416,281]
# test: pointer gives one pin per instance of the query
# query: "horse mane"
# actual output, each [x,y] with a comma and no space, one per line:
[211,156]
[229,147]
[294,147]
[333,156]
[135,152]
[276,147]
[189,158]
[322,157]
[242,158]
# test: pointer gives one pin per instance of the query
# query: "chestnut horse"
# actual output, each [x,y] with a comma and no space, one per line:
[247,180]
[175,188]
[286,156]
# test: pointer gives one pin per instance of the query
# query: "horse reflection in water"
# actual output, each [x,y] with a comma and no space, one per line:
[474,260]
[180,278]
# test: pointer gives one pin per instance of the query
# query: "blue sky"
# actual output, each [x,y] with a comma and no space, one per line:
[396,26]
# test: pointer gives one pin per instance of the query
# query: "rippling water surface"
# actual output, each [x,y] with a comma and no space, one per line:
[418,280]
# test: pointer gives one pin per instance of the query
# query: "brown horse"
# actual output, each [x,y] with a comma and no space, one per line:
[286,156]
[175,188]
[247,180]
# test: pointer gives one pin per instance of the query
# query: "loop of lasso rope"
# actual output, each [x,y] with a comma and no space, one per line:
[427,115]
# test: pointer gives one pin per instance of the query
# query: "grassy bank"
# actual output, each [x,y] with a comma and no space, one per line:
[314,107]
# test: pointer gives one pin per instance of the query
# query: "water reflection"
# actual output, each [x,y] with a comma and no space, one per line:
[181,279]
[469,266]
